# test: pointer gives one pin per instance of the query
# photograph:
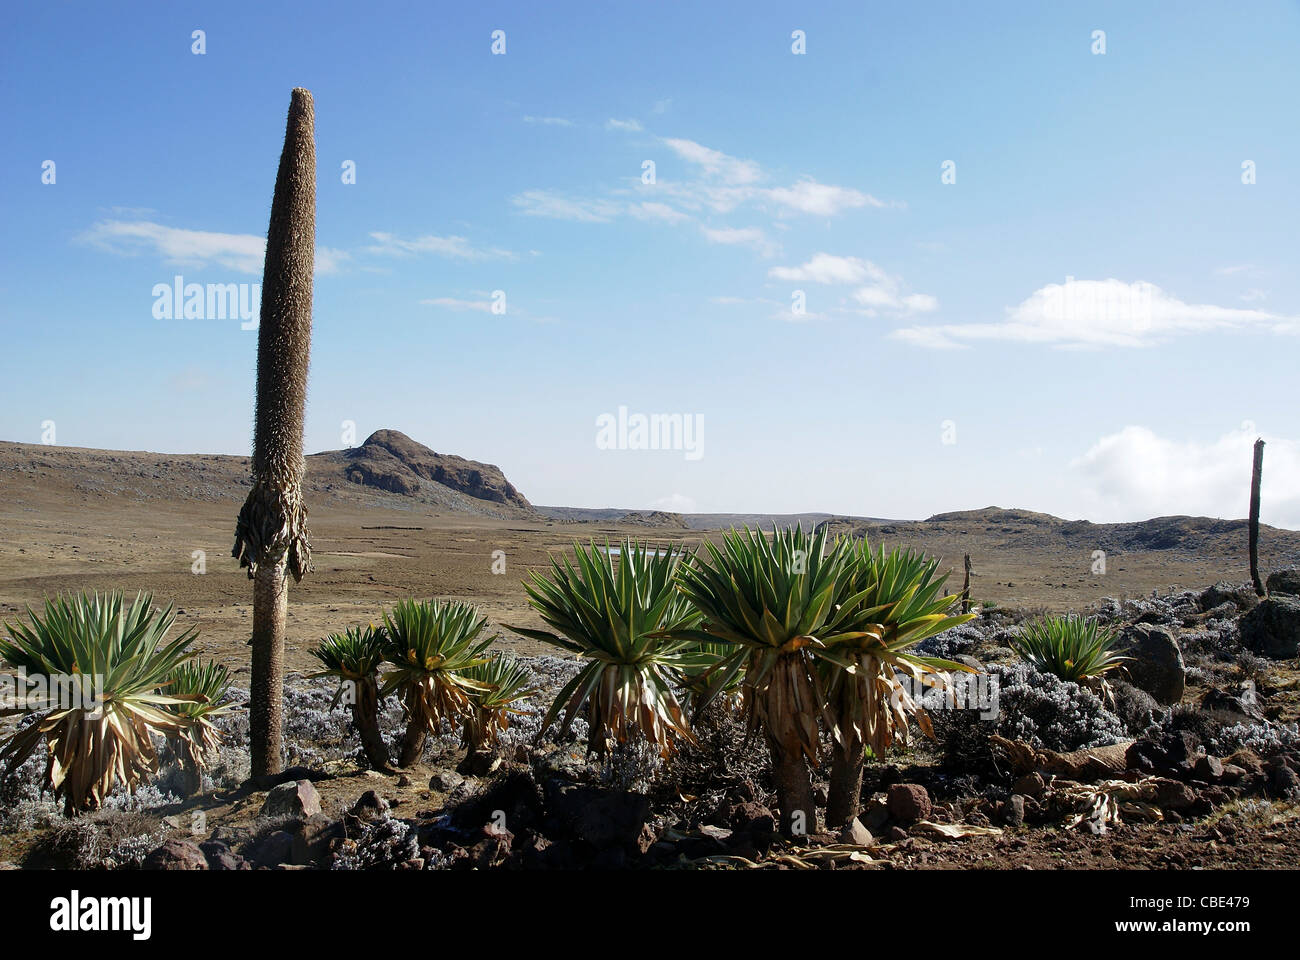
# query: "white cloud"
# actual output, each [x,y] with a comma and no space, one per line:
[1136,473]
[1100,313]
[877,289]
[546,203]
[662,106]
[451,303]
[656,211]
[241,252]
[822,199]
[455,248]
[550,121]
[752,237]
[715,162]
[628,126]
[826,268]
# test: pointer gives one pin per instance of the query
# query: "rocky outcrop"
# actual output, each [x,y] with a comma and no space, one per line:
[1272,629]
[393,462]
[1285,581]
[655,518]
[1156,663]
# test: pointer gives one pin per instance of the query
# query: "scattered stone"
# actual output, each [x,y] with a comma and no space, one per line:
[1030,785]
[275,849]
[1272,629]
[908,802]
[1173,795]
[404,780]
[176,855]
[312,838]
[445,781]
[296,799]
[896,834]
[1013,811]
[1157,663]
[855,833]
[1209,769]
[369,806]
[1243,704]
[1284,581]
[221,857]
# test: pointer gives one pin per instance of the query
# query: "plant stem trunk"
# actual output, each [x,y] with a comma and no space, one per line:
[793,786]
[270,602]
[365,714]
[1256,474]
[845,795]
[417,731]
[191,777]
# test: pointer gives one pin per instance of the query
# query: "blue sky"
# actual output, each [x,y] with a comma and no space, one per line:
[1095,319]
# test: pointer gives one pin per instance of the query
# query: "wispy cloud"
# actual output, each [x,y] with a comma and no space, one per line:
[822,199]
[752,237]
[715,162]
[1098,313]
[628,126]
[876,289]
[452,303]
[455,248]
[549,121]
[241,252]
[556,206]
[650,210]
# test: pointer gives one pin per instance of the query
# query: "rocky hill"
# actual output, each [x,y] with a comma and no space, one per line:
[394,463]
[1026,529]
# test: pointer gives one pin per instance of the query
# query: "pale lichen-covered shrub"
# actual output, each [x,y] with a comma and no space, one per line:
[1264,739]
[1034,707]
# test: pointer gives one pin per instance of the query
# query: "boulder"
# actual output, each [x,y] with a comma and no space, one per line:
[176,855]
[221,857]
[312,838]
[369,806]
[754,819]
[602,818]
[1171,754]
[1157,663]
[1272,629]
[1284,581]
[1013,811]
[274,849]
[445,781]
[1242,705]
[908,802]
[297,799]
[1240,595]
